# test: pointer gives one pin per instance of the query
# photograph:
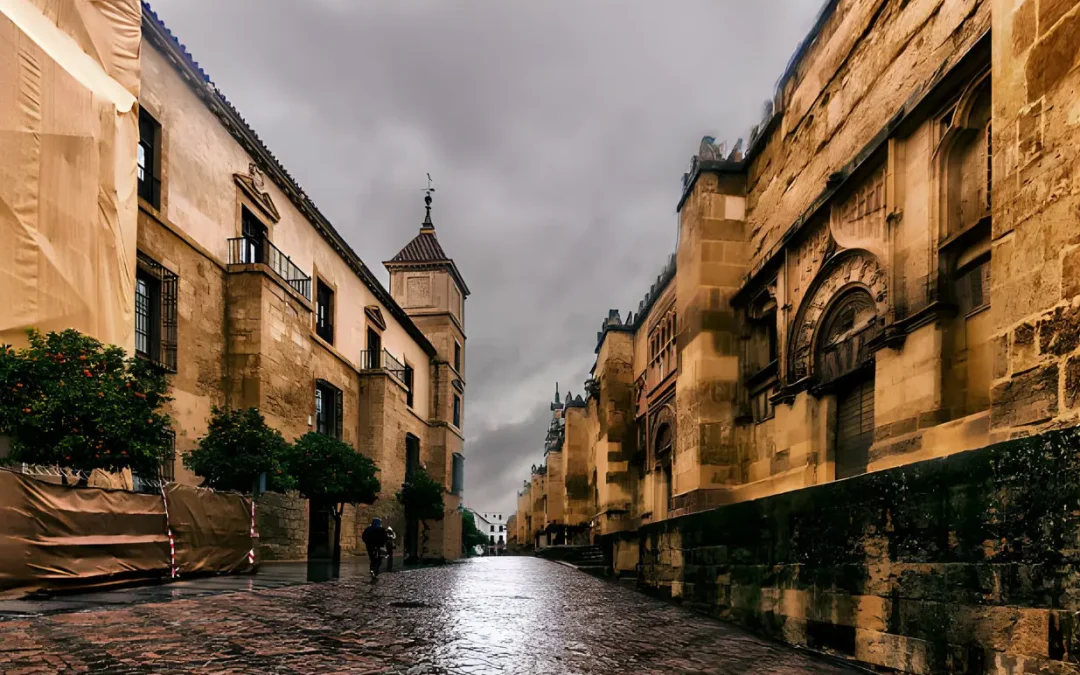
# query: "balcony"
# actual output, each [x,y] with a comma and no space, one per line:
[258,250]
[384,360]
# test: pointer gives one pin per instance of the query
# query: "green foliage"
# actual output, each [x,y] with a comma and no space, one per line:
[238,447]
[471,536]
[330,471]
[71,401]
[422,497]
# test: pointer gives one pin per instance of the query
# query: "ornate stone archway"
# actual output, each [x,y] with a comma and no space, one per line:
[661,431]
[845,273]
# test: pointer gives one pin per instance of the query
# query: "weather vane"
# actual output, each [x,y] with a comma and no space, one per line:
[427,202]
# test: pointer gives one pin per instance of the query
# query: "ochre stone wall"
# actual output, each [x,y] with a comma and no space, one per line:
[197,384]
[712,259]
[1036,241]
[844,89]
[575,468]
[246,337]
[556,489]
[614,423]
[966,563]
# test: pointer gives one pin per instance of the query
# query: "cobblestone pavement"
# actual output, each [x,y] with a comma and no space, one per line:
[494,615]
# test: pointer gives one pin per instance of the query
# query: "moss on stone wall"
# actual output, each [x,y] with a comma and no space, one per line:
[941,566]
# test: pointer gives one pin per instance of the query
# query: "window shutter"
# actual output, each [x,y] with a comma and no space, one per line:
[169,299]
[339,413]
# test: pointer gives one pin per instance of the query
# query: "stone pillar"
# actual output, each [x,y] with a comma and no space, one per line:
[712,262]
[615,416]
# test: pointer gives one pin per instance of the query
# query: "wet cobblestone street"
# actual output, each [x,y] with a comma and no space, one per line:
[495,615]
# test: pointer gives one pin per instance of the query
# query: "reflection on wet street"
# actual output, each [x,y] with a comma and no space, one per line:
[492,615]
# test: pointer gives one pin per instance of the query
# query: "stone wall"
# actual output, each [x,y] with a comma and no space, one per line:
[283,526]
[711,265]
[964,564]
[866,62]
[1036,243]
[197,384]
[575,469]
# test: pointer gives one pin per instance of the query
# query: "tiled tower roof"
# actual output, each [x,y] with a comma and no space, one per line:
[423,248]
[425,251]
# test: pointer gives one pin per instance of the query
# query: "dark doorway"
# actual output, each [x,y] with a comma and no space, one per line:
[255,237]
[374,345]
[412,530]
[854,426]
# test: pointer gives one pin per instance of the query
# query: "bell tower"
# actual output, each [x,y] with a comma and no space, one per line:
[426,283]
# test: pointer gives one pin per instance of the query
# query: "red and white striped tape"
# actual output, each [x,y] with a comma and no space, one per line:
[174,571]
[251,553]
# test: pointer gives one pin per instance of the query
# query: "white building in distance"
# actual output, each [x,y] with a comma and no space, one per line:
[494,526]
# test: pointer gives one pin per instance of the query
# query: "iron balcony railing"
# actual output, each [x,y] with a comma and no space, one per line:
[248,249]
[384,360]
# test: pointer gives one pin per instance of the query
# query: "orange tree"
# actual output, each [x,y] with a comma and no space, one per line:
[238,447]
[71,401]
[422,499]
[331,473]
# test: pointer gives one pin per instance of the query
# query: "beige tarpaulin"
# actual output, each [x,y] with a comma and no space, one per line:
[212,530]
[69,70]
[56,537]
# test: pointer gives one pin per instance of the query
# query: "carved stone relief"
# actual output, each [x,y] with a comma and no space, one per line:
[859,220]
[810,256]
[854,268]
[418,291]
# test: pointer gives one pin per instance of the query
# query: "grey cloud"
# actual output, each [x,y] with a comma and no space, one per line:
[556,132]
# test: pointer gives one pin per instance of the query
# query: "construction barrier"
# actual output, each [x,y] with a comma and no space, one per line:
[61,538]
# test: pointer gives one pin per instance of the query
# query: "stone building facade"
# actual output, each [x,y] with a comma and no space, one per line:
[251,298]
[887,273]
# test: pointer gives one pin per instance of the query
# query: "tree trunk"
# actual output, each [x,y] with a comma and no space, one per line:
[423,540]
[337,511]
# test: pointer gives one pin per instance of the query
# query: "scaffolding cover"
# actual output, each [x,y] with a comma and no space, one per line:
[59,537]
[68,142]
[213,530]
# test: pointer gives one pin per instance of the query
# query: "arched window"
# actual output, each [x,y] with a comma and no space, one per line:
[969,161]
[967,198]
[842,346]
[662,450]
[844,360]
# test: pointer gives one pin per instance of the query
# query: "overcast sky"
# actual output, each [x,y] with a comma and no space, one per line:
[556,133]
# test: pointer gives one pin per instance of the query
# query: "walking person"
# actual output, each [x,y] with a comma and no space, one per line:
[391,539]
[374,538]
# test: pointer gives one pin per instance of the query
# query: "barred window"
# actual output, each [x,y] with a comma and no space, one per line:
[168,461]
[156,290]
[329,409]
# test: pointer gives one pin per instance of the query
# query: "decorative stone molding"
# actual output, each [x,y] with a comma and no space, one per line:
[253,184]
[845,271]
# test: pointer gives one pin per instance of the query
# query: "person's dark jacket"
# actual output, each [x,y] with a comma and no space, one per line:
[374,536]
